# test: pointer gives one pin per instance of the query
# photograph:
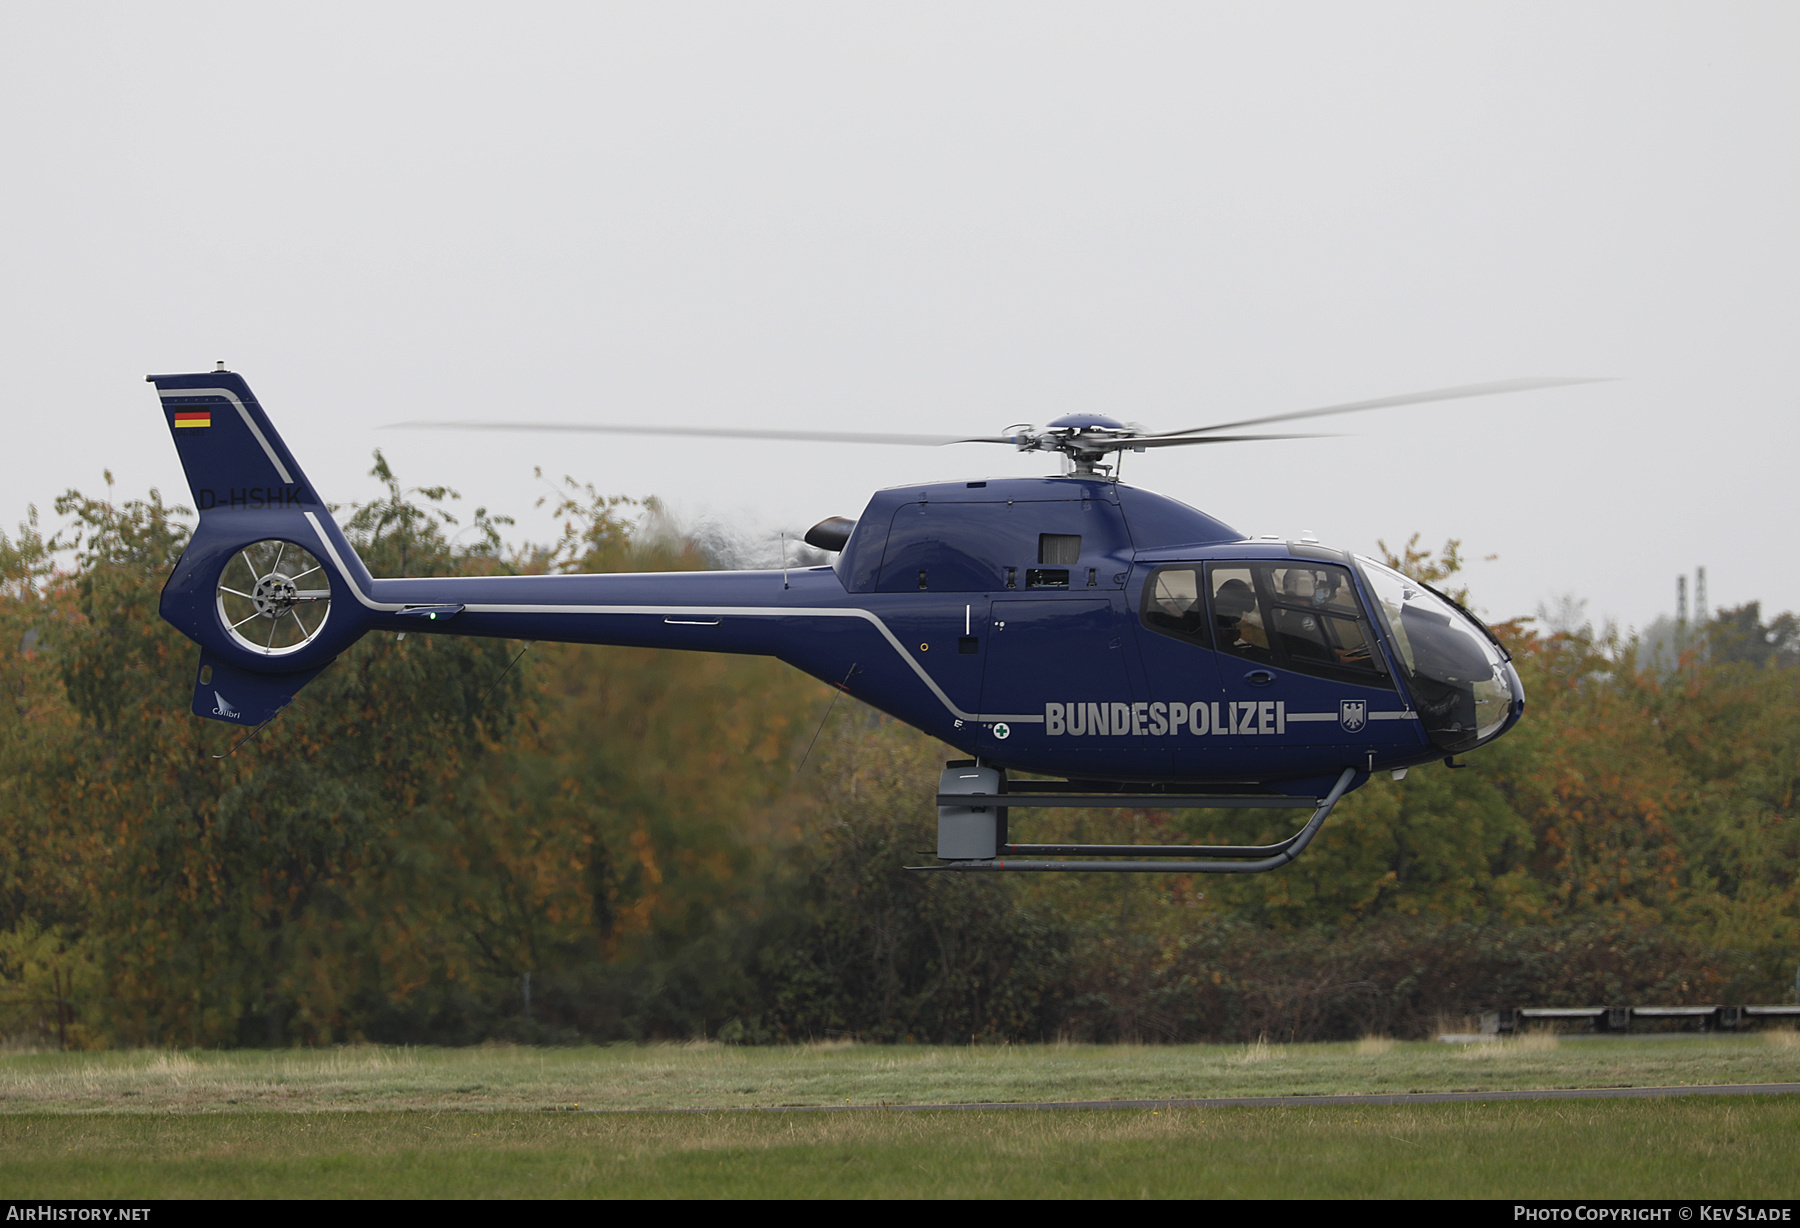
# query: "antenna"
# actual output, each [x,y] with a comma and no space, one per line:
[1680,612]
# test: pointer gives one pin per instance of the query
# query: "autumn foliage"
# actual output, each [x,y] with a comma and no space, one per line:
[450,840]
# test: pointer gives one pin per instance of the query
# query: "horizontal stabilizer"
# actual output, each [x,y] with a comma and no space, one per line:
[224,693]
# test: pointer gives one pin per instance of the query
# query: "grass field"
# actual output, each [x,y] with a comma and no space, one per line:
[1740,1147]
[515,1122]
[717,1076]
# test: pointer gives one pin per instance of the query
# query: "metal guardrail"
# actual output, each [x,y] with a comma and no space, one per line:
[1509,1021]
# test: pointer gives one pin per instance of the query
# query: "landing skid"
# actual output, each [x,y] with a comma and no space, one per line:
[972,822]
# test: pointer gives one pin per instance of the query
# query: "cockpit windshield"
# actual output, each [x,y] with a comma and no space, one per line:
[1461,685]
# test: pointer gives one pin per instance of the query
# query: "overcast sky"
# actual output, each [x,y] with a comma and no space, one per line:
[946,217]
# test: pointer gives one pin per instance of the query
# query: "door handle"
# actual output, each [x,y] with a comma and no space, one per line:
[1259,677]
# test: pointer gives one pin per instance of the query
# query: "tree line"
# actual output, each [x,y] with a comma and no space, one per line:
[451,840]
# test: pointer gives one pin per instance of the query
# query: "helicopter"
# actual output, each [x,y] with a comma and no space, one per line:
[1134,650]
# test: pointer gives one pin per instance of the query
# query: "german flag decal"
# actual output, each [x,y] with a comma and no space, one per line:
[201,418]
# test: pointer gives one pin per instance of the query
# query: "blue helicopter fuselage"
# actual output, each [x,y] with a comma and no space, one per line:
[1072,626]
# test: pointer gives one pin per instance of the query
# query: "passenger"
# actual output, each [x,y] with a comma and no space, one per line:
[1240,621]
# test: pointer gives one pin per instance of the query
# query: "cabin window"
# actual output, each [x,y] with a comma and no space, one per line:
[1059,549]
[947,548]
[1172,604]
[985,547]
[1239,621]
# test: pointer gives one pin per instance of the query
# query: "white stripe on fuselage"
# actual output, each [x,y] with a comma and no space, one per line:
[242,413]
[704,611]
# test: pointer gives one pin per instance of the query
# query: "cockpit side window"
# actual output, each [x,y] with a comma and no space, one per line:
[1303,617]
[1173,606]
[1319,623]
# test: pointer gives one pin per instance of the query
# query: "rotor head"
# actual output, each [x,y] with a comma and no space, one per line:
[1083,439]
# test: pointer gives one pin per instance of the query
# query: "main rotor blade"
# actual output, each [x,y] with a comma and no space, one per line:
[708,432]
[1495,388]
[1166,441]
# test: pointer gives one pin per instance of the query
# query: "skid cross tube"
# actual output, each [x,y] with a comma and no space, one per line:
[1267,857]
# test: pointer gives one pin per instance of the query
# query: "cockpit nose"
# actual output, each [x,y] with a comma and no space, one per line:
[1463,684]
[1518,698]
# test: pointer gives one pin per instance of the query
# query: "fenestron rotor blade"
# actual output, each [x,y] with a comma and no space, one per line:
[708,432]
[1457,393]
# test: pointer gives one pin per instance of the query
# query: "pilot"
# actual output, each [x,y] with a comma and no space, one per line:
[1240,622]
